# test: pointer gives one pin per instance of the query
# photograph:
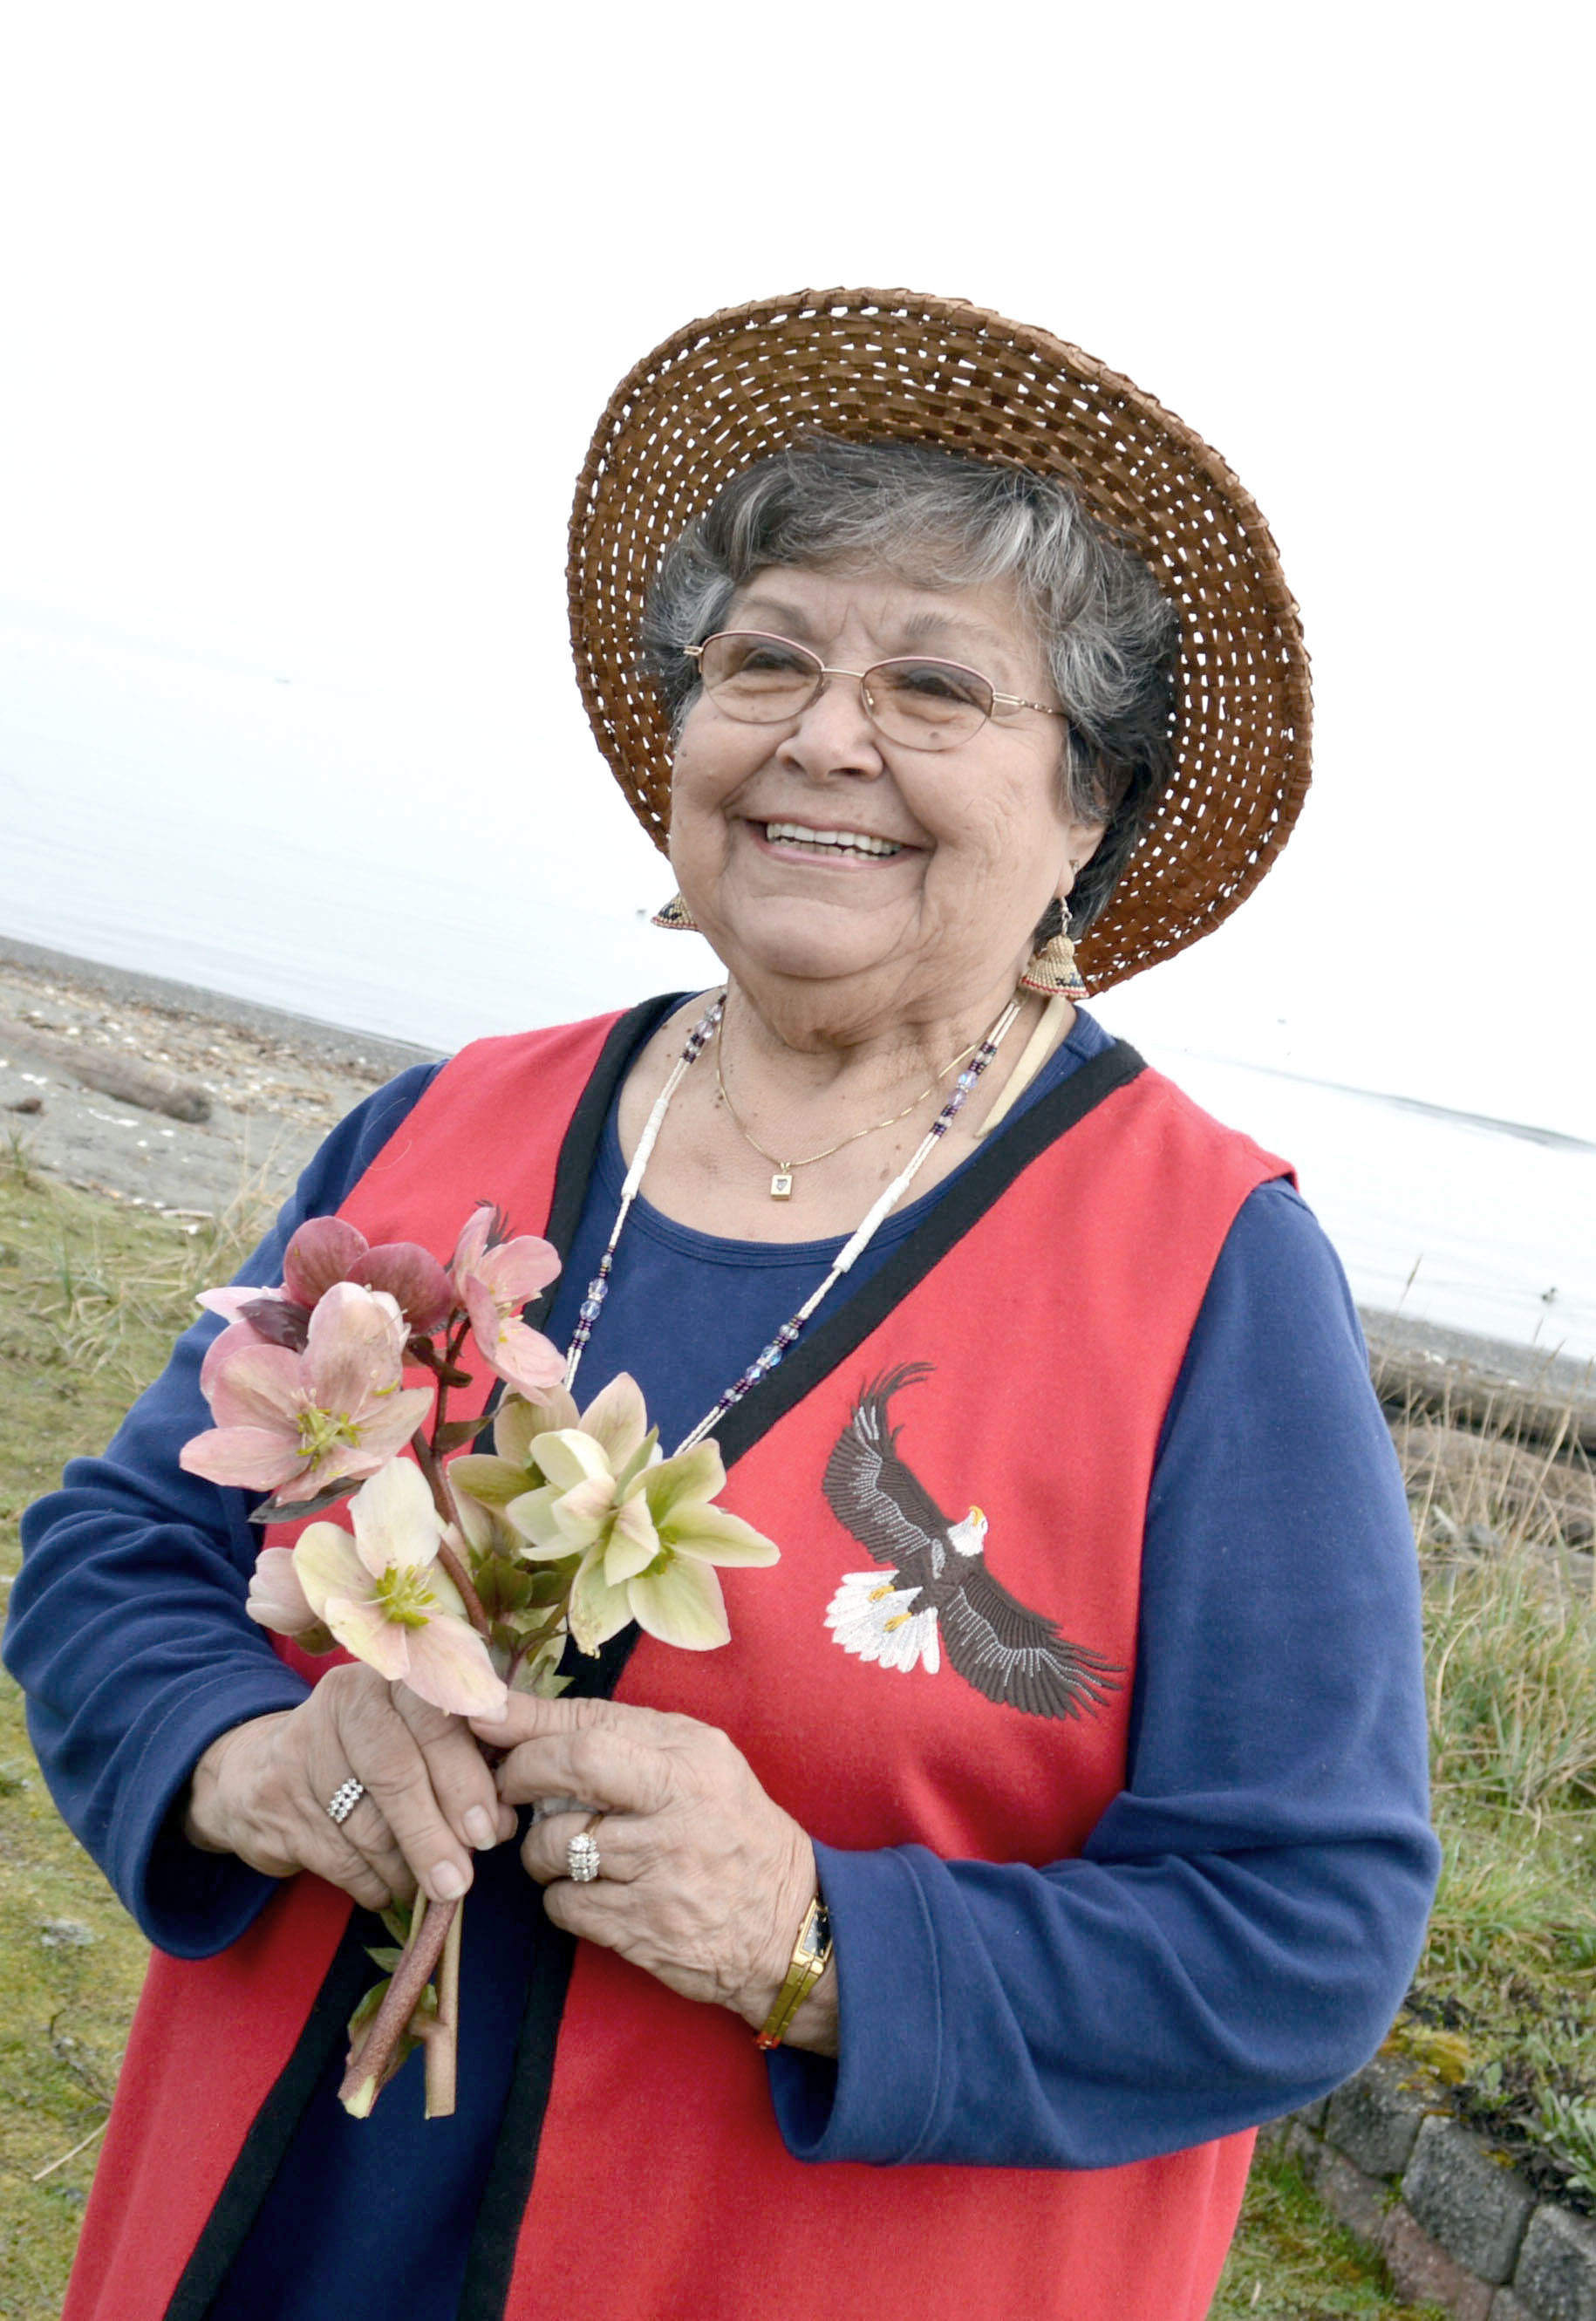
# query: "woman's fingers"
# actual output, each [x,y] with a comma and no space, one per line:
[460,1778]
[366,1862]
[703,1878]
[620,1837]
[618,1756]
[262,1792]
[382,1751]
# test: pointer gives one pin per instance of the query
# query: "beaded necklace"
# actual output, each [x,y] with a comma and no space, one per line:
[787,1336]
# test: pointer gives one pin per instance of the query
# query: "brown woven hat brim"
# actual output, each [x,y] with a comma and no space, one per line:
[741,383]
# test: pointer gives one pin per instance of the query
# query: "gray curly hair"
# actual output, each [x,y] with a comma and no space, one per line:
[943,520]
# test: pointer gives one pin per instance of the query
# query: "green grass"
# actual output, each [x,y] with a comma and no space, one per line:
[1503,2009]
[91,1296]
[1503,2012]
[1290,2263]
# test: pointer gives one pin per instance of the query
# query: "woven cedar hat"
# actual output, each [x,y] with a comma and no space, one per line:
[740,385]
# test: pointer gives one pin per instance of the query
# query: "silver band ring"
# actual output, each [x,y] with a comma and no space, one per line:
[582,1858]
[341,1804]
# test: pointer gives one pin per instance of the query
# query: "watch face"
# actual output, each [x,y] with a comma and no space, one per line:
[816,1936]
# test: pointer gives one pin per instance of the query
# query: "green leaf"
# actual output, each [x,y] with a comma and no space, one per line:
[365,2015]
[456,1432]
[295,1510]
[548,1582]
[503,1587]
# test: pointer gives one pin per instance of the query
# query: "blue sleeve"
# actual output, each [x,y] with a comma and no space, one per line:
[128,1631]
[1244,1918]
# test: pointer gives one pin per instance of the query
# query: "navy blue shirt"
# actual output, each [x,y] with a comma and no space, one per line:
[1233,1941]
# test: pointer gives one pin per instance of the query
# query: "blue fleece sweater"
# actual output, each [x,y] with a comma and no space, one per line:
[1234,1940]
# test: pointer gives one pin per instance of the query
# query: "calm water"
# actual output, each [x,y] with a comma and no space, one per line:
[344,857]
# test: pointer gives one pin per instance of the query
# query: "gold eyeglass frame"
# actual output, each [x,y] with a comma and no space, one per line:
[898,660]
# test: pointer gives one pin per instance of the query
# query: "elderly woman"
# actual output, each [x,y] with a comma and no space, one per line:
[1056,1812]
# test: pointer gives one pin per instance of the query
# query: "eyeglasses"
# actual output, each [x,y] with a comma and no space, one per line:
[924,705]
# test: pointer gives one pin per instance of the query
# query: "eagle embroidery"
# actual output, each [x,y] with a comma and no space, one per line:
[936,1585]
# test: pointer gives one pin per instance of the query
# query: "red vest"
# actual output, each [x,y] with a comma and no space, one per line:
[1054,1327]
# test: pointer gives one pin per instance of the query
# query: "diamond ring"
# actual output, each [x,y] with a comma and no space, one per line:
[583,1858]
[341,1804]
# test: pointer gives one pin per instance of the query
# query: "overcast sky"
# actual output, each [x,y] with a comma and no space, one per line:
[308,312]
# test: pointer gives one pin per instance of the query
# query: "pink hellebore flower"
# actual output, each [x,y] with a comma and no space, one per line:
[278,1602]
[493,1280]
[338,1408]
[325,1250]
[387,1599]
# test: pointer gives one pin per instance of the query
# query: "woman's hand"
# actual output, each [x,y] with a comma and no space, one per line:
[704,1879]
[261,1791]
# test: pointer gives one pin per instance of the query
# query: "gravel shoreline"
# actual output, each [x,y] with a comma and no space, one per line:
[271,1083]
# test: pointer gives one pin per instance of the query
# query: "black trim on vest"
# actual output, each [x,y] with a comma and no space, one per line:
[272,2131]
[490,2266]
[980,1184]
[491,2263]
[273,2128]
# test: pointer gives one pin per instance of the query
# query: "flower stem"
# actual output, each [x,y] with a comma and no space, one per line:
[442,2034]
[368,2065]
[431,1467]
[462,1580]
[427,1460]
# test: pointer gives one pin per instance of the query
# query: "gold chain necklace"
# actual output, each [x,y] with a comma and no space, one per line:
[781,1184]
[787,1336]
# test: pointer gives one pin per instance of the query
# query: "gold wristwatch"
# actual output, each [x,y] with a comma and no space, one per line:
[811,1955]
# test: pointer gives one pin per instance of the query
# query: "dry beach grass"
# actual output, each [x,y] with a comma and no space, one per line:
[1502,2019]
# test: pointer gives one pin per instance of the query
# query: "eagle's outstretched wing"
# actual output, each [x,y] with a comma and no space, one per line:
[871,1490]
[1017,1656]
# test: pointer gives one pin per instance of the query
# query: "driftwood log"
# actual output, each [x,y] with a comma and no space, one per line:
[1515,1392]
[153,1087]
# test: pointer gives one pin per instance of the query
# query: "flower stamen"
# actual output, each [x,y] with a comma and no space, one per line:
[405,1595]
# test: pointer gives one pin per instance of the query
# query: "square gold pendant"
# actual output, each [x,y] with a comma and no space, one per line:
[781,1185]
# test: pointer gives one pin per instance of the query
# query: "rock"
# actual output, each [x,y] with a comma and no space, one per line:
[1555,2277]
[1424,2274]
[1507,2308]
[64,1934]
[1474,2205]
[1353,2199]
[1375,2119]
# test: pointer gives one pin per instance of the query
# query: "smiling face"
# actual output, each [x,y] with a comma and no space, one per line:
[893,883]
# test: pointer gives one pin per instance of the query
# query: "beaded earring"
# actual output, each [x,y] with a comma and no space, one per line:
[1051,968]
[676,914]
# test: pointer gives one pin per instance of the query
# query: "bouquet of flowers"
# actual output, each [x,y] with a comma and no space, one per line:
[460,1573]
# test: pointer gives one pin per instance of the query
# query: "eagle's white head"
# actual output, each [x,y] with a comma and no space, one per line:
[970,1536]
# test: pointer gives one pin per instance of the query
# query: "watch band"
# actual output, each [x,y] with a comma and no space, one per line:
[811,1955]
